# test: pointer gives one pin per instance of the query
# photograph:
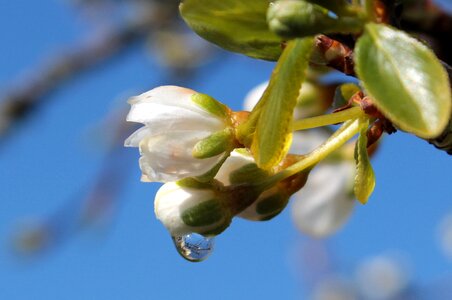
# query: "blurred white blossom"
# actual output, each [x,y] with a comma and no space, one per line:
[326,201]
[382,278]
[445,235]
[334,288]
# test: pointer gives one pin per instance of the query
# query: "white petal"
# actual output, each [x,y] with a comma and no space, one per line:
[170,96]
[254,95]
[168,157]
[324,204]
[234,162]
[135,138]
[161,118]
[163,93]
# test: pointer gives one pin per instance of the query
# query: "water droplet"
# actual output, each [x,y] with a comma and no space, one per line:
[194,247]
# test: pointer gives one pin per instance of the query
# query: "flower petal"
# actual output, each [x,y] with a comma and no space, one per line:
[162,118]
[168,157]
[135,138]
[171,96]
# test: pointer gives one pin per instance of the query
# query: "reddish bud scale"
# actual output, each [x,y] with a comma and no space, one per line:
[336,54]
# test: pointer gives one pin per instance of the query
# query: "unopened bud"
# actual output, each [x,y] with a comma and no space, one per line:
[187,206]
[297,18]
[272,201]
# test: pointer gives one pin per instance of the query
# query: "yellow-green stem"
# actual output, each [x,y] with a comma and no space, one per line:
[339,138]
[369,7]
[339,117]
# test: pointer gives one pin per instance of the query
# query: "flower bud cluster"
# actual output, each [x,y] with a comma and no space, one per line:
[187,142]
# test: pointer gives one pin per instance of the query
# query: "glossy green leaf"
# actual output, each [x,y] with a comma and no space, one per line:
[406,80]
[235,25]
[364,177]
[273,133]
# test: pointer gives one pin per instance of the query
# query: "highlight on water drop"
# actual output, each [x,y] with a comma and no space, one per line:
[194,247]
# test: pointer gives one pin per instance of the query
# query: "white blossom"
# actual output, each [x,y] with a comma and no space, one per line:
[173,124]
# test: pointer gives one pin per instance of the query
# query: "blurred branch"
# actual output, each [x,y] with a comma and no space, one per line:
[19,101]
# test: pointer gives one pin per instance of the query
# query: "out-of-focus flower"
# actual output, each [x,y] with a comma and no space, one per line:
[176,119]
[382,278]
[254,95]
[445,235]
[185,208]
[326,202]
[334,288]
[310,102]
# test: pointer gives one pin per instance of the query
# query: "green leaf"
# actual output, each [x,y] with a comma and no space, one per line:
[405,79]
[273,132]
[365,177]
[235,25]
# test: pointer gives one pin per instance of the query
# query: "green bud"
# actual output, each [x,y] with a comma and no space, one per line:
[273,200]
[210,105]
[269,204]
[338,6]
[296,18]
[185,208]
[214,144]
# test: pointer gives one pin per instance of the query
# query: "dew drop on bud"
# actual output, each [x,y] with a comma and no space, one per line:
[194,247]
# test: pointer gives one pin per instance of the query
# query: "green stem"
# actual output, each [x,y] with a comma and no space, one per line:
[369,7]
[330,119]
[339,138]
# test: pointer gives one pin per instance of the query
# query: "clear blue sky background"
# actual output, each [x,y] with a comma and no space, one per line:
[47,161]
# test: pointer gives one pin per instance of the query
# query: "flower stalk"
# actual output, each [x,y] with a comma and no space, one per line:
[339,138]
[330,119]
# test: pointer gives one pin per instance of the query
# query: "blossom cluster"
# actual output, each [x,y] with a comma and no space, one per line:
[189,142]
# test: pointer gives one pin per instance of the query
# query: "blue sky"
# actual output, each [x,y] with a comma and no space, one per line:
[47,160]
